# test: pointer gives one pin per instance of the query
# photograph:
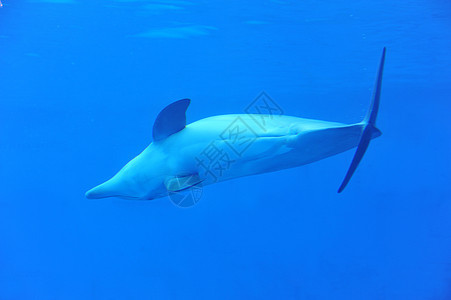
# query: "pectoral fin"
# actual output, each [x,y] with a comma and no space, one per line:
[180,183]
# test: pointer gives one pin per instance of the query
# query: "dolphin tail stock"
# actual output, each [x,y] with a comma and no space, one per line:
[369,129]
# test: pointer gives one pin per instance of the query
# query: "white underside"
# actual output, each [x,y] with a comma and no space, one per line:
[273,143]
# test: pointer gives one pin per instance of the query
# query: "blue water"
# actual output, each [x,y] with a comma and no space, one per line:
[81,83]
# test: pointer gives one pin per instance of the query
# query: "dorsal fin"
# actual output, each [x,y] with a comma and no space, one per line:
[170,120]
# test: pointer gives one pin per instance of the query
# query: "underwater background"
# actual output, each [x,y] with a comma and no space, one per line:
[81,83]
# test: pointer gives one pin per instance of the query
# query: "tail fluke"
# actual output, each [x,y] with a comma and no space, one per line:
[369,126]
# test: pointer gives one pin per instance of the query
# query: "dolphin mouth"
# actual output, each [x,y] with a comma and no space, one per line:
[94,193]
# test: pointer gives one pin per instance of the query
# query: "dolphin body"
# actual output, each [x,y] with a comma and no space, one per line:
[225,147]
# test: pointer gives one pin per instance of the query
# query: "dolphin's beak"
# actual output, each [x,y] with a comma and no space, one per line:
[103,190]
[107,189]
[95,193]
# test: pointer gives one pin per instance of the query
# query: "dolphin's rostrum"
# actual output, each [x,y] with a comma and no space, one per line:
[181,156]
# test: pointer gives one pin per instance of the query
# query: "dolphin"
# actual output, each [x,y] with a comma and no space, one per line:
[225,147]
